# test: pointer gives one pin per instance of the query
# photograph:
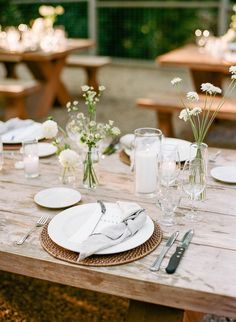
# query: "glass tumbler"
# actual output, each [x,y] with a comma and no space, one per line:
[146,149]
[31,158]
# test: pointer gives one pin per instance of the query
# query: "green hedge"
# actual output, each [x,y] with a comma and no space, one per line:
[132,33]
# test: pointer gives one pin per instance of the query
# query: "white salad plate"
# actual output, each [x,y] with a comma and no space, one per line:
[58,197]
[66,224]
[17,136]
[225,174]
[46,149]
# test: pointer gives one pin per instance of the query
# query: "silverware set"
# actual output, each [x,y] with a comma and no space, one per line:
[178,254]
[41,222]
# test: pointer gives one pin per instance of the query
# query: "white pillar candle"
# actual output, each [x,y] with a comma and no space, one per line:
[31,166]
[146,172]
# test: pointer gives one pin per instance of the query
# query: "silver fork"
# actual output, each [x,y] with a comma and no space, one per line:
[103,211]
[41,222]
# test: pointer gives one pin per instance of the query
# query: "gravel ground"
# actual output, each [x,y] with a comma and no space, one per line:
[24,299]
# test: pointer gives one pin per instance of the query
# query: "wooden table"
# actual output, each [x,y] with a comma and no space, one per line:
[45,67]
[203,66]
[205,281]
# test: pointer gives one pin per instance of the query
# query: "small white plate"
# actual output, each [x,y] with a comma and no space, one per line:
[224,174]
[58,197]
[46,149]
[66,224]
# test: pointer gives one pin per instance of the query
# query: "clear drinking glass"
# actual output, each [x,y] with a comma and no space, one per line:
[147,145]
[31,158]
[169,163]
[194,182]
[1,154]
[168,198]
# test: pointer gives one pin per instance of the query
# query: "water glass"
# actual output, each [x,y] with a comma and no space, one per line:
[168,198]
[169,163]
[147,145]
[1,154]
[31,158]
[194,183]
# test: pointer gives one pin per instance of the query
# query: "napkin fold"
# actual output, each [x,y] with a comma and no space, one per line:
[132,217]
[14,123]
[23,131]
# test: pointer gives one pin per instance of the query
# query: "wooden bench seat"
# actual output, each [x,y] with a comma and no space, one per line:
[15,91]
[167,104]
[91,65]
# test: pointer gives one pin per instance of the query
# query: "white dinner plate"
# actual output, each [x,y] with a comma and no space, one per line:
[183,147]
[58,197]
[224,174]
[46,149]
[66,223]
[17,136]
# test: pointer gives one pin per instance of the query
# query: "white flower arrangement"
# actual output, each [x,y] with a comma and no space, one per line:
[50,12]
[68,158]
[50,129]
[201,118]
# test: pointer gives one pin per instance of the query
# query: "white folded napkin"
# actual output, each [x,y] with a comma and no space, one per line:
[131,219]
[27,132]
[14,123]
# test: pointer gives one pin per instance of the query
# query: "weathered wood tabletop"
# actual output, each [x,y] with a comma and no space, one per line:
[205,280]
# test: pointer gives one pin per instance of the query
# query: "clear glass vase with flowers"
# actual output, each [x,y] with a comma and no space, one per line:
[89,132]
[201,112]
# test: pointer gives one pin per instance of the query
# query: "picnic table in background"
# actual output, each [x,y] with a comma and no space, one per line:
[46,68]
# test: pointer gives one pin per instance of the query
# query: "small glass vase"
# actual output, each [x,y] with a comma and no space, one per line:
[90,179]
[68,176]
[200,150]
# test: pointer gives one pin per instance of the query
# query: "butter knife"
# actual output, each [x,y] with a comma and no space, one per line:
[176,257]
[156,265]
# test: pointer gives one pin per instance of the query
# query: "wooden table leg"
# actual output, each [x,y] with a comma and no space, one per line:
[48,73]
[190,316]
[146,312]
[164,121]
[10,67]
[199,77]
[92,77]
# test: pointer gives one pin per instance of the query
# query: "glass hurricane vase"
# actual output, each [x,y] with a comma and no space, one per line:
[90,179]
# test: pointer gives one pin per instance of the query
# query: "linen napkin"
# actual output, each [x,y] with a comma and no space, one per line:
[27,131]
[132,219]
[14,123]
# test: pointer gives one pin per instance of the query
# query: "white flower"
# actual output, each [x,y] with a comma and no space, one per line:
[195,111]
[176,80]
[210,89]
[115,130]
[50,129]
[75,103]
[68,104]
[233,76]
[85,88]
[101,88]
[68,158]
[232,69]
[111,122]
[184,114]
[192,96]
[92,123]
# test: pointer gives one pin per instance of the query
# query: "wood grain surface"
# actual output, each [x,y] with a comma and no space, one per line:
[205,280]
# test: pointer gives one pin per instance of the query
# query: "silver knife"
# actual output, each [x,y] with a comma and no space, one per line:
[156,265]
[176,257]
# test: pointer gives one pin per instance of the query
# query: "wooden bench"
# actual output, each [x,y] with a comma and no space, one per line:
[166,105]
[91,65]
[15,91]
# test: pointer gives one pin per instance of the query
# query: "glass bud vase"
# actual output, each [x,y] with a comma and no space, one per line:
[68,176]
[90,179]
[200,150]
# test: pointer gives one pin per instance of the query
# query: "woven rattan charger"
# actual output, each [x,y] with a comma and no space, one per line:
[102,260]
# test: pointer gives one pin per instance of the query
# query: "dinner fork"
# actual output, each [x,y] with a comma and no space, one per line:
[41,222]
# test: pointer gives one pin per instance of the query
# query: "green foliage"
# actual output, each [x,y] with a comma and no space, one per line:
[9,14]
